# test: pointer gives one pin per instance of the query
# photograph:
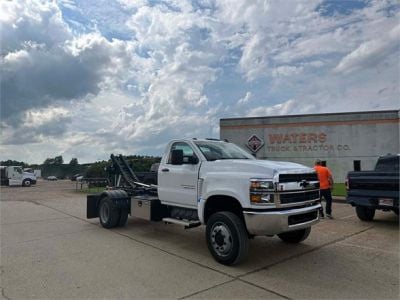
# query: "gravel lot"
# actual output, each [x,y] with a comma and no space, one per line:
[50,250]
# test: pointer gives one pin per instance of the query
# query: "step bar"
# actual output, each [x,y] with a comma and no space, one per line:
[187,224]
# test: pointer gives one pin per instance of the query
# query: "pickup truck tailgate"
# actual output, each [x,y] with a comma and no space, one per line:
[371,186]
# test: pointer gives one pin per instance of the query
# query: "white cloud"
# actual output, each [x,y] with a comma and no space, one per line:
[24,21]
[245,100]
[60,73]
[37,126]
[370,53]
[283,71]
[286,108]
[36,118]
[16,57]
[253,61]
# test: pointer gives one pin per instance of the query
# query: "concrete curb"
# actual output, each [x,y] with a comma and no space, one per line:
[339,199]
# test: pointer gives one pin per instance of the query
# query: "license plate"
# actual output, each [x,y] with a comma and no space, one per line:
[386,202]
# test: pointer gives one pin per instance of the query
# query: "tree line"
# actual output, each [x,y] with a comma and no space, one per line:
[55,166]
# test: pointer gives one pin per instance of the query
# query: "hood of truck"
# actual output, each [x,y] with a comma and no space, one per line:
[29,175]
[254,168]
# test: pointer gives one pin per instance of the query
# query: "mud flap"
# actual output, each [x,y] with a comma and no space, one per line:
[92,204]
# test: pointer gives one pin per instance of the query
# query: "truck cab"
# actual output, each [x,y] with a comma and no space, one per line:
[15,176]
[197,174]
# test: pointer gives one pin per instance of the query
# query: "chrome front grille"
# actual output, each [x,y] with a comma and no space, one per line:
[297,177]
[297,188]
[298,197]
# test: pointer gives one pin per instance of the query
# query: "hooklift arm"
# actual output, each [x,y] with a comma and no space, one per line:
[121,197]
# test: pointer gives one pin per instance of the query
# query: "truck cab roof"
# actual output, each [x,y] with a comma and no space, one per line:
[389,162]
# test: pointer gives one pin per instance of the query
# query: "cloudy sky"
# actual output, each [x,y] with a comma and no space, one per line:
[88,78]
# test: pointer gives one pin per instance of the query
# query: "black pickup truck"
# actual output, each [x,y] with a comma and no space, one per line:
[378,189]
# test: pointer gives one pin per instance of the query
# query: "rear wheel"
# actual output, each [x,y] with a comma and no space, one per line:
[123,217]
[365,213]
[295,236]
[108,213]
[227,238]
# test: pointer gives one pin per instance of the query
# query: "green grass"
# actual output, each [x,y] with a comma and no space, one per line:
[339,189]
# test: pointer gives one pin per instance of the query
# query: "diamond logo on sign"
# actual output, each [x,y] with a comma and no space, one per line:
[254,143]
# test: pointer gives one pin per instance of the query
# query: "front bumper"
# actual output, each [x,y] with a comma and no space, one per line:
[279,221]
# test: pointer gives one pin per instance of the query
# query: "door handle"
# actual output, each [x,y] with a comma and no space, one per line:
[165,170]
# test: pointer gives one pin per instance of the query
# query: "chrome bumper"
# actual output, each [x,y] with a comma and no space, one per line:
[274,222]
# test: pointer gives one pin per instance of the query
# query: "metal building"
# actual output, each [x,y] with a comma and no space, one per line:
[345,141]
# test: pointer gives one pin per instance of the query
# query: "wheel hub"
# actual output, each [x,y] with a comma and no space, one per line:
[104,213]
[221,239]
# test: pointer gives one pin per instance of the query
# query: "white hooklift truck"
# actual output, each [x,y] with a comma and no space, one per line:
[217,184]
[15,176]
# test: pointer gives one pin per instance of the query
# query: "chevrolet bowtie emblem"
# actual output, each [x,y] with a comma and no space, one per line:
[304,184]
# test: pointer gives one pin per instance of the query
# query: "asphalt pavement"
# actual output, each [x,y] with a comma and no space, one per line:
[49,250]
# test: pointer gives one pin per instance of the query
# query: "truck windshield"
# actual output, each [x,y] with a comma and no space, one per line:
[221,150]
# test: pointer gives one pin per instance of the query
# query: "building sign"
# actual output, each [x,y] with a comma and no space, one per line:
[302,142]
[254,143]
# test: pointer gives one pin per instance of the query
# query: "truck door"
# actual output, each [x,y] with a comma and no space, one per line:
[15,175]
[177,184]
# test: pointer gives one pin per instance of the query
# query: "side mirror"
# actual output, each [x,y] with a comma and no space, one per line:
[177,157]
[193,160]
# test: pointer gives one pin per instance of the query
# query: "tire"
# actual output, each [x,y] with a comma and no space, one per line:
[109,214]
[295,236]
[123,217]
[26,183]
[227,238]
[365,213]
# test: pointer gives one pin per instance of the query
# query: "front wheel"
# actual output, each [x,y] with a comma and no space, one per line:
[26,182]
[365,213]
[227,238]
[295,236]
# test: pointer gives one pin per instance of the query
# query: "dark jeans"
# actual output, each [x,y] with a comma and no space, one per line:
[326,194]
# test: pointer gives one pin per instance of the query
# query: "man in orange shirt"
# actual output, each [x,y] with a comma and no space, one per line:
[325,184]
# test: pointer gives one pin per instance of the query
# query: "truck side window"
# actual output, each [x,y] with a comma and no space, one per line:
[188,153]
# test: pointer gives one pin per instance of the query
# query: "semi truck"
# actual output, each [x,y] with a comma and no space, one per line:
[218,184]
[16,176]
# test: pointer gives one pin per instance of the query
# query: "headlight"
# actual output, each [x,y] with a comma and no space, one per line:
[261,191]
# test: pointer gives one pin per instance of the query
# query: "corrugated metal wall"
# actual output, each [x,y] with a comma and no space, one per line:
[339,139]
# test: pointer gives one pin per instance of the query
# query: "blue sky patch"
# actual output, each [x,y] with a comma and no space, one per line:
[340,7]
